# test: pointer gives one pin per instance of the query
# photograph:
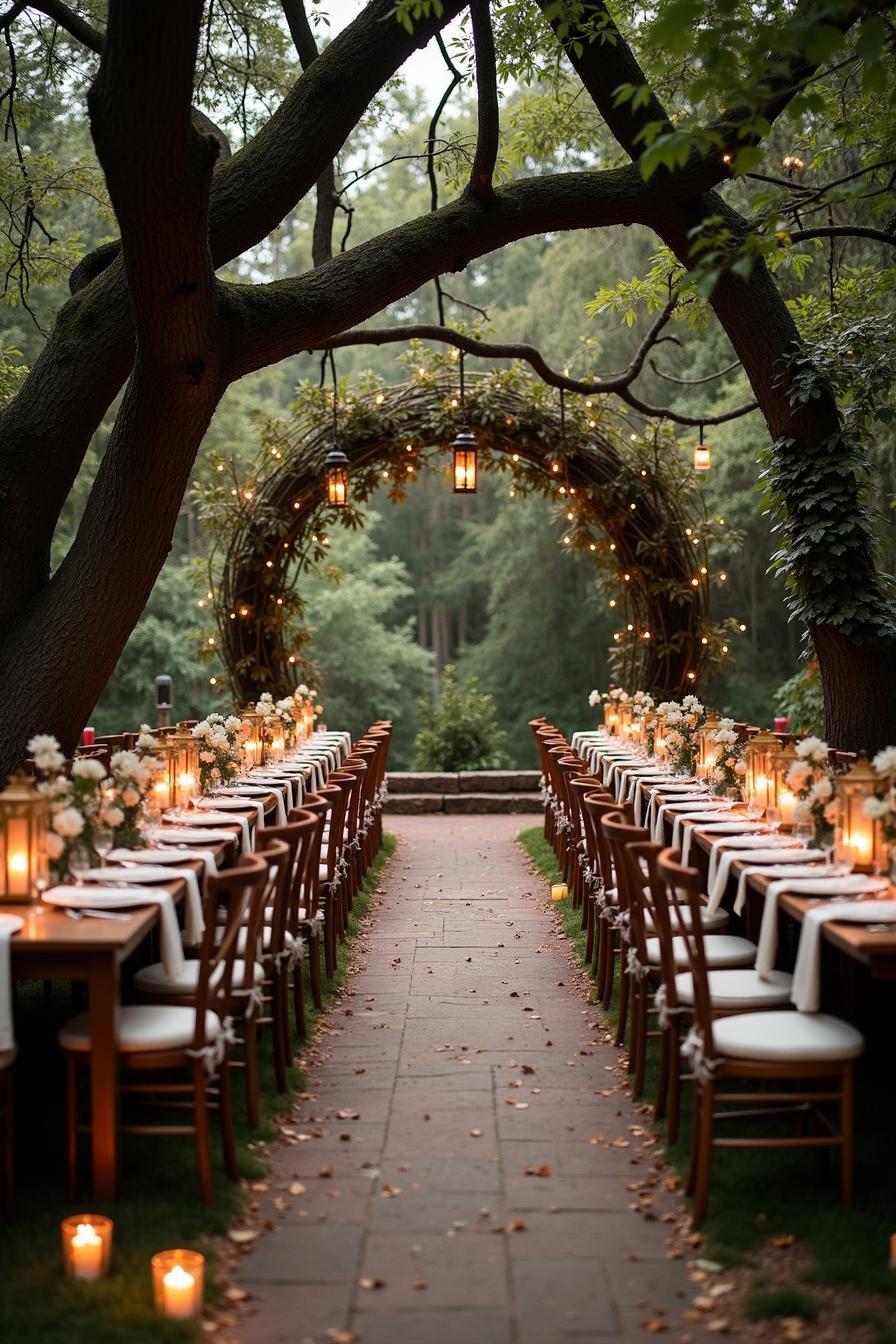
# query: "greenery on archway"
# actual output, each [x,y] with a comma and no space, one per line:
[623,495]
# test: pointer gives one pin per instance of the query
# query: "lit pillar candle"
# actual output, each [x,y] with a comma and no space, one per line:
[17,867]
[559,891]
[178,1283]
[87,1246]
[161,793]
[787,803]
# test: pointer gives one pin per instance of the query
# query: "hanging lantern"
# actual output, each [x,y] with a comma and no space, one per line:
[23,839]
[784,797]
[760,754]
[792,163]
[466,466]
[861,832]
[702,454]
[336,470]
[184,769]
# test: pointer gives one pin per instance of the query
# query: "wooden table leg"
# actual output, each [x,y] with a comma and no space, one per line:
[104,1075]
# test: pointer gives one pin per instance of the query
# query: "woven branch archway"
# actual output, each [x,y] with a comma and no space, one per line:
[627,499]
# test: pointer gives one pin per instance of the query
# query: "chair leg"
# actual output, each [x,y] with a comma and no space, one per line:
[639,1037]
[8,1141]
[623,995]
[250,1050]
[71,1122]
[314,967]
[279,1030]
[200,1112]
[674,1120]
[609,967]
[298,999]
[589,925]
[225,1121]
[846,1130]
[691,1182]
[704,1154]
[662,1086]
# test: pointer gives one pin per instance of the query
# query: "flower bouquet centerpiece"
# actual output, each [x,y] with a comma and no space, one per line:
[126,793]
[683,723]
[220,750]
[77,805]
[728,766]
[277,724]
[882,807]
[642,711]
[814,785]
[307,709]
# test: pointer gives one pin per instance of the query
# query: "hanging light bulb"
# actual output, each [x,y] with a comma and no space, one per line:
[465,468]
[336,463]
[702,454]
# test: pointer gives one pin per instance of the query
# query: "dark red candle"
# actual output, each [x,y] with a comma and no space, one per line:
[88,737]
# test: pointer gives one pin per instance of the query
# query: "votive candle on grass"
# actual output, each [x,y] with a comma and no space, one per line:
[87,1246]
[559,891]
[178,1283]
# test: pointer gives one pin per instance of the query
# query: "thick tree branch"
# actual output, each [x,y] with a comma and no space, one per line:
[486,155]
[280,319]
[843,231]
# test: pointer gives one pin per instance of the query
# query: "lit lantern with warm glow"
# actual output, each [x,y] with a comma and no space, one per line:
[23,839]
[178,1283]
[253,730]
[760,755]
[87,1246]
[659,737]
[336,469]
[702,456]
[183,769]
[706,749]
[784,797]
[465,470]
[859,831]
[625,719]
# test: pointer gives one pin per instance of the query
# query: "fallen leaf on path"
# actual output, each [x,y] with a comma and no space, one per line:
[370,1284]
[419,1284]
[242,1236]
[544,1170]
[325,1172]
[475,1133]
[782,1241]
[297,1188]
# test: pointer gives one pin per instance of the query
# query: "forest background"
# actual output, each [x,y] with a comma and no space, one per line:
[478,582]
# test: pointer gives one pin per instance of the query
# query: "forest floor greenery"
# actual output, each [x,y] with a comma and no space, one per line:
[760,1198]
[159,1205]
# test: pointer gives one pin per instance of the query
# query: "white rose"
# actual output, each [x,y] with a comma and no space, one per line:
[812,749]
[885,761]
[821,790]
[46,752]
[875,808]
[87,768]
[68,823]
[55,845]
[146,742]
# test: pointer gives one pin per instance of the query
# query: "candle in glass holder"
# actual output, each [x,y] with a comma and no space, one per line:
[177,1280]
[559,891]
[786,802]
[781,725]
[87,1246]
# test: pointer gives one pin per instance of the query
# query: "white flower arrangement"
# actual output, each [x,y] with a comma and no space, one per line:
[683,722]
[76,804]
[728,766]
[882,807]
[220,749]
[814,785]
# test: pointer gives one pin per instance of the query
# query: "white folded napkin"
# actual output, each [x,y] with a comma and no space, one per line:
[762,858]
[194,924]
[235,804]
[676,803]
[679,812]
[183,835]
[857,884]
[112,898]
[787,863]
[256,791]
[291,785]
[714,828]
[9,925]
[155,856]
[762,838]
[205,816]
[806,989]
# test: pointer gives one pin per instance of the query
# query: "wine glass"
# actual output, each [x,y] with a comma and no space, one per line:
[103,842]
[754,807]
[844,859]
[773,817]
[803,832]
[79,861]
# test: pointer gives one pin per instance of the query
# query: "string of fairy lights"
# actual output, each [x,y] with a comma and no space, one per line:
[624,495]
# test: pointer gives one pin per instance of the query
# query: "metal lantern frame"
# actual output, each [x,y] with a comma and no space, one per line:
[183,768]
[336,466]
[761,752]
[254,743]
[465,463]
[706,749]
[864,834]
[784,797]
[24,819]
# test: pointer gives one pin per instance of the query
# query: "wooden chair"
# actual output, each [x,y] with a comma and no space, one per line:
[311,896]
[168,1040]
[791,1063]
[291,937]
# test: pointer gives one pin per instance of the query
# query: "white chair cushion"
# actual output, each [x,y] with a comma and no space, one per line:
[288,941]
[269,914]
[153,1027]
[708,922]
[738,991]
[722,949]
[782,1037]
[153,979]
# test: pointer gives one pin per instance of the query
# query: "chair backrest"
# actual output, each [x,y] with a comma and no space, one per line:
[309,878]
[598,806]
[654,896]
[683,886]
[233,890]
[299,834]
[629,878]
[337,794]
[272,901]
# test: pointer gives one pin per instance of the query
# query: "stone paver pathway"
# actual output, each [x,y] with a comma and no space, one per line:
[460,1184]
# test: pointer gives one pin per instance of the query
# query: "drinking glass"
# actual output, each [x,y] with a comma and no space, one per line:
[844,859]
[754,807]
[773,817]
[803,832]
[103,841]
[79,861]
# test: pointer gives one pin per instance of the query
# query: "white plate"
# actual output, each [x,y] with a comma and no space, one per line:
[91,898]
[135,875]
